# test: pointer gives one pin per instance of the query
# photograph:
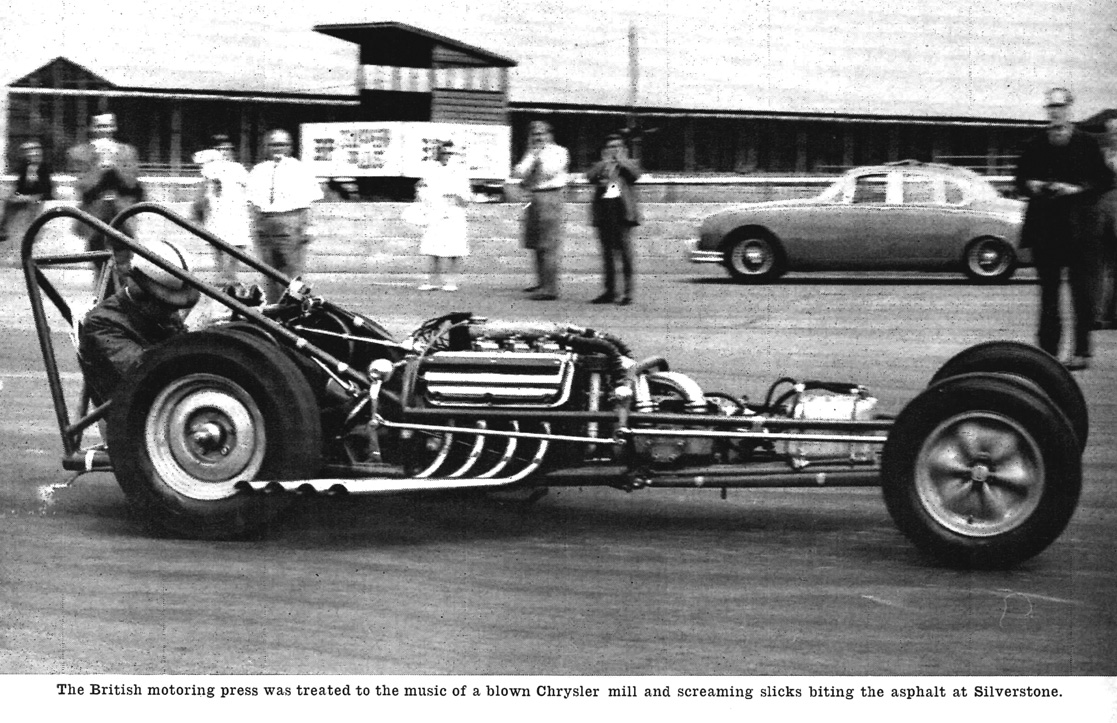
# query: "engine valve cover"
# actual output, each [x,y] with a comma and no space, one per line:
[506,379]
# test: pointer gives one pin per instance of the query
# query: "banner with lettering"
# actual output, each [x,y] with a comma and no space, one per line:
[398,148]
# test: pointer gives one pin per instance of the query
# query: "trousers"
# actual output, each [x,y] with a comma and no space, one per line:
[1081,276]
[543,230]
[615,235]
[281,242]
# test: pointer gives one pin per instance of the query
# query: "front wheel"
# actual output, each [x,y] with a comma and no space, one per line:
[202,413]
[989,260]
[754,258]
[981,472]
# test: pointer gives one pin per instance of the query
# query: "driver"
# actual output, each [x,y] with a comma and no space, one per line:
[147,311]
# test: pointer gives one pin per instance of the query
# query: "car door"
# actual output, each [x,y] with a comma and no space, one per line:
[857,232]
[923,226]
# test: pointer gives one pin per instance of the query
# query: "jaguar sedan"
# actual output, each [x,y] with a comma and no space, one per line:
[906,216]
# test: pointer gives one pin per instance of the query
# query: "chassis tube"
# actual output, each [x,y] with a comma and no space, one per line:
[621,434]
[690,420]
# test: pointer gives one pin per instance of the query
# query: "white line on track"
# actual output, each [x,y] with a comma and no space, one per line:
[888,603]
[66,376]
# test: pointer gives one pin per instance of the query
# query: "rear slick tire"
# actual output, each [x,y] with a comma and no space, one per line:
[981,472]
[200,414]
[1031,363]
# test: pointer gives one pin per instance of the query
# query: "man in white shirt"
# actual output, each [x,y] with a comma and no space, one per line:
[281,190]
[543,174]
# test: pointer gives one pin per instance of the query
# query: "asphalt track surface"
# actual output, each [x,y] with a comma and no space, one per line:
[586,581]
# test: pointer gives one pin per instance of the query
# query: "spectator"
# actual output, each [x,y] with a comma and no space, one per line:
[543,174]
[444,194]
[1062,171]
[1107,230]
[615,213]
[146,310]
[107,182]
[281,190]
[221,203]
[33,186]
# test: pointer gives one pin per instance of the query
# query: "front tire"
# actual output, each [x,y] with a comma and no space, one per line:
[981,472]
[754,257]
[989,260]
[202,413]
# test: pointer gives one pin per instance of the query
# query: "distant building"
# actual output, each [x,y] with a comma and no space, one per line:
[406,73]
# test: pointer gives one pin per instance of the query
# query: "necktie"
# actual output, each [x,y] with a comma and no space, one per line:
[536,172]
[271,196]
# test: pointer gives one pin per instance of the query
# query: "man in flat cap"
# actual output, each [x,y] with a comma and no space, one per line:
[107,182]
[1062,171]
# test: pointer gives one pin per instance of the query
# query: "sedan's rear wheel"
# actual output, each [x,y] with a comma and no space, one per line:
[990,260]
[754,257]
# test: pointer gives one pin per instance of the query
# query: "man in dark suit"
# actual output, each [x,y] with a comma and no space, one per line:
[107,182]
[1062,172]
[615,213]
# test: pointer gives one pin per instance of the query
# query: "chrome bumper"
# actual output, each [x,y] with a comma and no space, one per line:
[698,256]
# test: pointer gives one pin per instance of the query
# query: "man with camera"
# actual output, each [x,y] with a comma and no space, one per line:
[615,212]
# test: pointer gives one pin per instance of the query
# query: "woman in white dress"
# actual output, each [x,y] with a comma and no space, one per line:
[444,194]
[222,203]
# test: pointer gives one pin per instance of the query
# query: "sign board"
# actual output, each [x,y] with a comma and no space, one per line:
[402,149]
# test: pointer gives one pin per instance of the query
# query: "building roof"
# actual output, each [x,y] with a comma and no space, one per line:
[68,77]
[406,46]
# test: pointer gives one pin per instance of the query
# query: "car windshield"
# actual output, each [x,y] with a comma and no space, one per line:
[834,192]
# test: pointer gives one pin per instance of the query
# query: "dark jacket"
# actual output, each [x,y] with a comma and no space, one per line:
[40,185]
[1055,221]
[627,171]
[113,338]
[95,184]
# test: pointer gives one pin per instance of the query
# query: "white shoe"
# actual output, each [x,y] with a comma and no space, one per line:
[427,287]
[450,287]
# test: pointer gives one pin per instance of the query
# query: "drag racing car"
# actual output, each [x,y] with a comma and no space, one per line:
[219,429]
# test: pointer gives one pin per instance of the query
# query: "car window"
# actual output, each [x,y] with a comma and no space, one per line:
[919,189]
[871,189]
[956,193]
